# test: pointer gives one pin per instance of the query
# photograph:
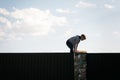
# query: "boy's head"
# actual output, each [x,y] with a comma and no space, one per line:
[83,37]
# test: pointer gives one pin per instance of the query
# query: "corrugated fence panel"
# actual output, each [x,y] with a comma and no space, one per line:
[35,66]
[103,66]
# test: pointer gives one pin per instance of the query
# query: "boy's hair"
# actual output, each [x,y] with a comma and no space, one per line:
[83,36]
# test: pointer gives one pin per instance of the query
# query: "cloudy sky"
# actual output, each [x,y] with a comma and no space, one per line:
[45,25]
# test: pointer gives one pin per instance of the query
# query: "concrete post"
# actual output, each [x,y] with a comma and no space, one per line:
[80,66]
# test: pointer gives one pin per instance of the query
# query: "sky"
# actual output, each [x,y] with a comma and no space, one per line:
[45,25]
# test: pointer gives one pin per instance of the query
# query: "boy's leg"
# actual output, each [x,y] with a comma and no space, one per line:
[70,46]
[71,51]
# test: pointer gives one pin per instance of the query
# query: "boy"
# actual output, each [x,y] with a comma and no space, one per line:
[73,42]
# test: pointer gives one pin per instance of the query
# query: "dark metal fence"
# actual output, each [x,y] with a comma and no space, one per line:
[35,66]
[56,66]
[103,66]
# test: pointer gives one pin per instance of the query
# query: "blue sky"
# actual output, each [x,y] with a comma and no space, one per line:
[45,25]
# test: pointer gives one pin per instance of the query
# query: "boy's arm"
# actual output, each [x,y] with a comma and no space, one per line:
[75,47]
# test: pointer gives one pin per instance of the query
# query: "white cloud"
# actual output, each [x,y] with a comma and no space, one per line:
[108,6]
[63,10]
[32,21]
[85,4]
[116,33]
[5,21]
[36,22]
[4,11]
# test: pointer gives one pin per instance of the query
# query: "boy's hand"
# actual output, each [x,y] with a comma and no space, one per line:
[81,51]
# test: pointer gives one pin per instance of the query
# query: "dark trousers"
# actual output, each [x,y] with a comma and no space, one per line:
[69,44]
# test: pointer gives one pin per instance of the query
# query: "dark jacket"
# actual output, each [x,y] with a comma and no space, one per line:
[74,41]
